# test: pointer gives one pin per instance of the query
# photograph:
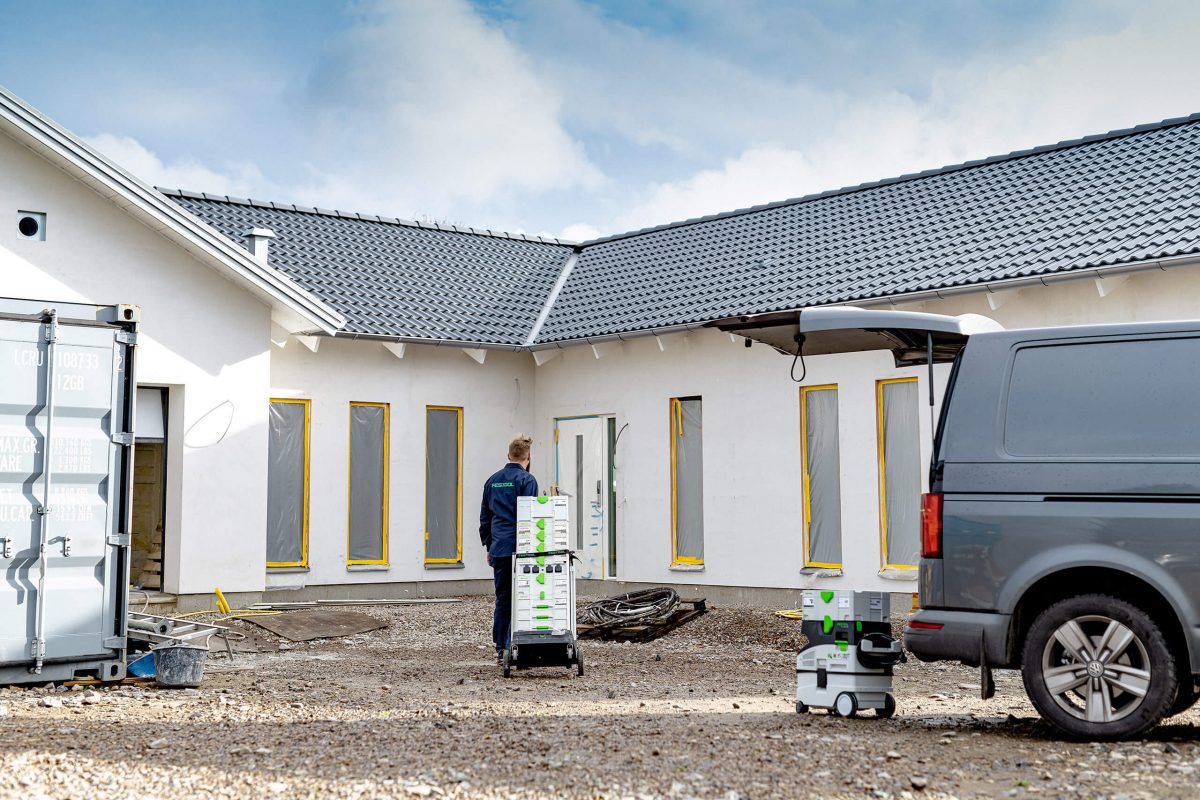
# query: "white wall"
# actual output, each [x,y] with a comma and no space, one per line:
[753,506]
[497,402]
[200,335]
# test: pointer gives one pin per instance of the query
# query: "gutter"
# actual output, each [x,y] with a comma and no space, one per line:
[383,337]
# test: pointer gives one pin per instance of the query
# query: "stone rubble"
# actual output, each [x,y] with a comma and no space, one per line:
[420,710]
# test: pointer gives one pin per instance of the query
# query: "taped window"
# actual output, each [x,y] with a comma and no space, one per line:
[368,495]
[821,467]
[443,485]
[287,483]
[687,481]
[899,471]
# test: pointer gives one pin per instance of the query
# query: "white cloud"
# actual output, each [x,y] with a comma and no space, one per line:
[135,158]
[423,106]
[1141,73]
[579,232]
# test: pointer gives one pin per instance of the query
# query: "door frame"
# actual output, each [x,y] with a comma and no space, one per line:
[609,494]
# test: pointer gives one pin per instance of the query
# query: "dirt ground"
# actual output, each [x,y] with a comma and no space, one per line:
[419,709]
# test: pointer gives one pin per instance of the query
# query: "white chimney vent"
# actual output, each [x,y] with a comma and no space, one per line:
[257,240]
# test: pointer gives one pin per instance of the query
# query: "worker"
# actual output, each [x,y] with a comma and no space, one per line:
[498,529]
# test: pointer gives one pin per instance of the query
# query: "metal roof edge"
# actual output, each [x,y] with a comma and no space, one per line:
[66,145]
[383,337]
[1066,144]
[324,212]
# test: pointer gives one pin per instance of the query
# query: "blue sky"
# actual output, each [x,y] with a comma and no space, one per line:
[577,118]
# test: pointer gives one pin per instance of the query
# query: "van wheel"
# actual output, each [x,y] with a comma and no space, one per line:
[1097,667]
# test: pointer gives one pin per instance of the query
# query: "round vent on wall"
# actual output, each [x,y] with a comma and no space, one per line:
[31,225]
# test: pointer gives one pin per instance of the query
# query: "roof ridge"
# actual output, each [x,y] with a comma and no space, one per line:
[324,212]
[929,173]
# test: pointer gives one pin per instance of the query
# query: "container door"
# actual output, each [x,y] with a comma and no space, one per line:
[75,499]
[581,459]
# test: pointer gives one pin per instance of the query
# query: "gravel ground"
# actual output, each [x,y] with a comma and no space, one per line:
[419,709]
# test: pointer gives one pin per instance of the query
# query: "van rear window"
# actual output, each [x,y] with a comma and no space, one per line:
[1128,398]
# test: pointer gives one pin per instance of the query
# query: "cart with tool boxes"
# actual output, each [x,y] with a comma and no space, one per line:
[847,665]
[543,589]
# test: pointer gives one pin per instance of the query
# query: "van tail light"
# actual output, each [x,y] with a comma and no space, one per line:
[931,525]
[926,626]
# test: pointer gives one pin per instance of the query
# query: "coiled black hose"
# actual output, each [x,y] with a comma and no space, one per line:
[635,608]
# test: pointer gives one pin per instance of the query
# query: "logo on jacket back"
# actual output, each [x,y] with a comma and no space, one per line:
[505,485]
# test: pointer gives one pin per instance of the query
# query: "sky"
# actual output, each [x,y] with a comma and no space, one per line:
[581,118]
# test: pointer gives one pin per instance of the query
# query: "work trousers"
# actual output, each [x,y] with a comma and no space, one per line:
[502,619]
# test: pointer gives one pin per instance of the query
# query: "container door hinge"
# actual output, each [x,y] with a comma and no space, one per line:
[127,337]
[114,642]
[118,539]
[66,546]
[37,648]
[6,549]
[122,438]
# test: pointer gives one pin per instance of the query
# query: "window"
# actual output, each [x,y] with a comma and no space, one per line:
[821,468]
[687,481]
[1130,398]
[368,493]
[287,483]
[443,485]
[899,471]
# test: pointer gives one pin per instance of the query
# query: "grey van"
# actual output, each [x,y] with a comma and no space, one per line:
[1061,532]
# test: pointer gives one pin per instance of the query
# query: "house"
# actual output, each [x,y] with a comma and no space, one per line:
[323,393]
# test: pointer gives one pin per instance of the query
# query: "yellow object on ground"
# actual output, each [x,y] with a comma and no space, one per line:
[791,613]
[222,603]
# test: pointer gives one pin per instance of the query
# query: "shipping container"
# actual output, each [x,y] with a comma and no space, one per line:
[66,461]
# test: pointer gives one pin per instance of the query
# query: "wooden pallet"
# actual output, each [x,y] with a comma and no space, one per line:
[646,633]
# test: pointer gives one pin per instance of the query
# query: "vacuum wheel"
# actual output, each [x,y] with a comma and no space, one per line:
[507,662]
[578,663]
[846,705]
[801,708]
[889,708]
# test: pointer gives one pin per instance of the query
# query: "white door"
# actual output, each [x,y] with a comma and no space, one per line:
[581,474]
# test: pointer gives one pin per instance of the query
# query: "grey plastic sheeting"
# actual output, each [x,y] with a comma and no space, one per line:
[441,484]
[902,473]
[368,430]
[285,484]
[824,476]
[689,482]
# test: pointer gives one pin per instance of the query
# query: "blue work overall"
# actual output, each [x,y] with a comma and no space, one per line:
[498,533]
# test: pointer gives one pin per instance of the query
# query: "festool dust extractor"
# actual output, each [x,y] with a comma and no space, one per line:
[847,664]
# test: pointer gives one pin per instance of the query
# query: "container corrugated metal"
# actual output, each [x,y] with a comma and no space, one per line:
[66,418]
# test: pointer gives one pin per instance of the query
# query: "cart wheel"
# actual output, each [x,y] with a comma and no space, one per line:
[507,662]
[889,707]
[845,705]
[578,663]
[801,708]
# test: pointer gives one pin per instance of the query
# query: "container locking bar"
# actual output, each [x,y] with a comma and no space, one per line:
[37,647]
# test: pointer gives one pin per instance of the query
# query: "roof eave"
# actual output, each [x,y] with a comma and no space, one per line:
[162,215]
